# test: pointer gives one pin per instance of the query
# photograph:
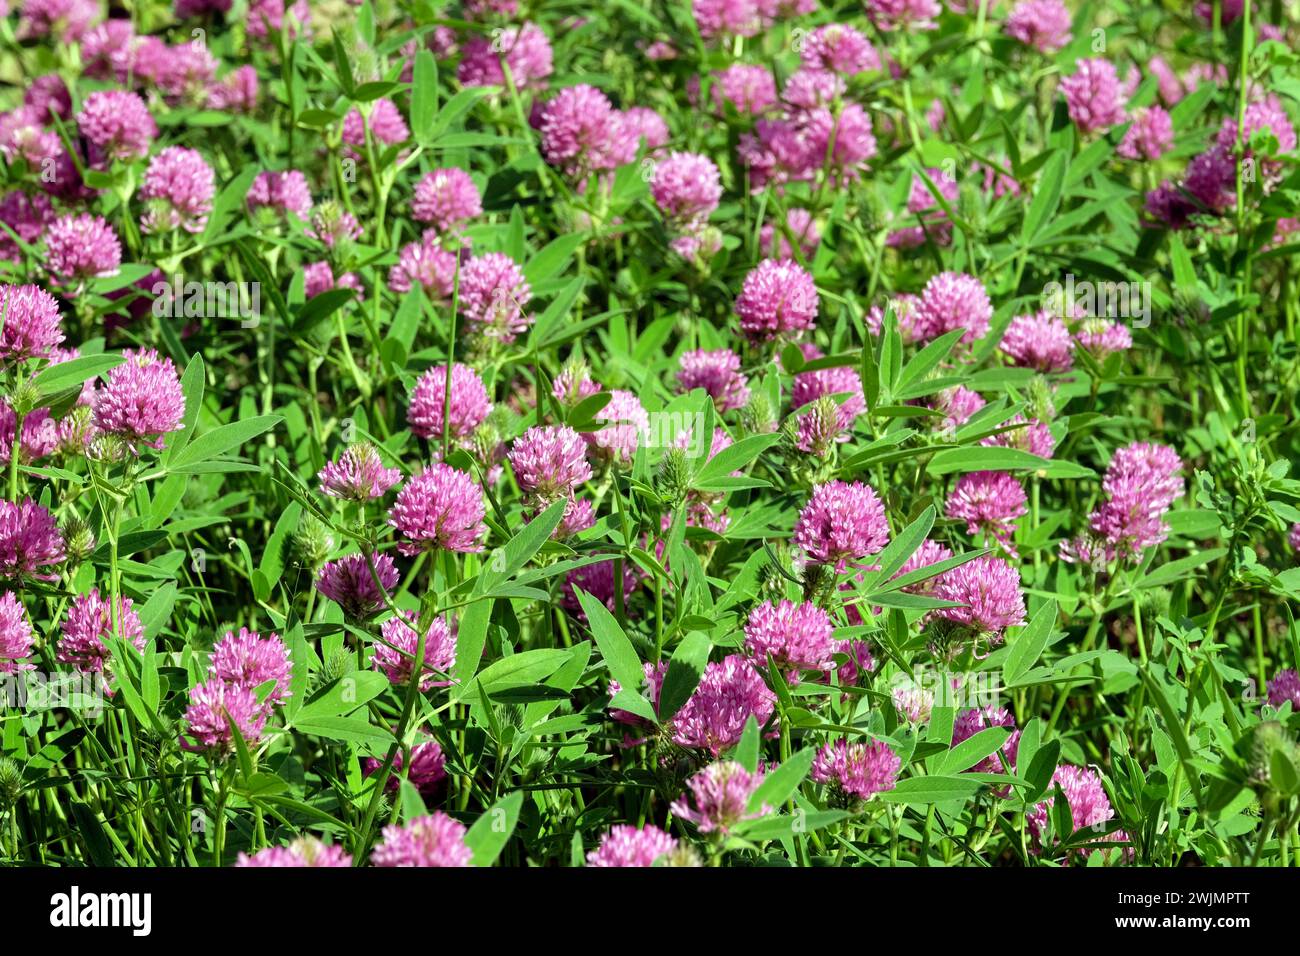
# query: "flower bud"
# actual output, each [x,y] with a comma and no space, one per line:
[79,542]
[674,479]
[756,417]
[312,543]
[11,782]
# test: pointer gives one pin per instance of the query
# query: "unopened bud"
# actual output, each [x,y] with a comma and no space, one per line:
[79,542]
[756,417]
[818,427]
[312,543]
[337,665]
[11,782]
[1041,403]
[673,481]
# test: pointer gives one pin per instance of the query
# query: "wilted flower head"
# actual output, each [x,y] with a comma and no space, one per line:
[447,198]
[142,400]
[357,475]
[30,542]
[470,403]
[720,794]
[989,590]
[395,654]
[843,522]
[302,852]
[247,659]
[727,696]
[117,123]
[859,770]
[30,323]
[625,845]
[178,186]
[441,507]
[435,840]
[1093,95]
[778,297]
[15,635]
[349,583]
